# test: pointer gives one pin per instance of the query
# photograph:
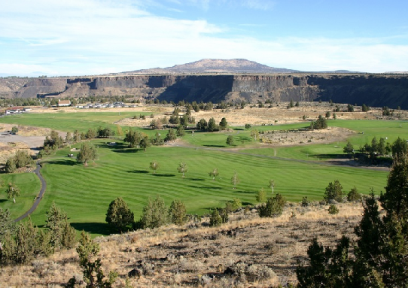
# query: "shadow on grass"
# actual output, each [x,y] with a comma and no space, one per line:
[62,162]
[216,146]
[164,175]
[196,179]
[139,171]
[113,147]
[127,150]
[330,156]
[244,138]
[93,228]
[3,200]
[246,203]
[244,192]
[205,187]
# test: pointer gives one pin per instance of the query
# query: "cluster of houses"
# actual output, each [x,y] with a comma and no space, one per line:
[66,103]
[105,105]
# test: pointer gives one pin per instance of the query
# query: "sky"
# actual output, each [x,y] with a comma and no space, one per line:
[88,37]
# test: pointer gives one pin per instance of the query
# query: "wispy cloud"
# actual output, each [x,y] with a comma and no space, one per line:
[258,4]
[80,37]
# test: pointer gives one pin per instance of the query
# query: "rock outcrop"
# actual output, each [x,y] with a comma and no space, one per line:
[370,89]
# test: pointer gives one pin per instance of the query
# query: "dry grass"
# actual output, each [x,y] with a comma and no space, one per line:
[262,252]
[238,117]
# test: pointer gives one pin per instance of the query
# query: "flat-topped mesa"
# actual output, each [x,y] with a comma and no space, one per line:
[370,89]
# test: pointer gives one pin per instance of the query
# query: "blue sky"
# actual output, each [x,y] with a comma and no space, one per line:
[85,37]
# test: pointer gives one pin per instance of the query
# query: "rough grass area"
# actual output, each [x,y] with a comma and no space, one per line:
[71,121]
[194,255]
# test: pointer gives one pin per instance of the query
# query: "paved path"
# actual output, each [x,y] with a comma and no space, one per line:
[39,197]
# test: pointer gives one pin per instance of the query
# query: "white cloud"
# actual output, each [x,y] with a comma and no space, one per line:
[90,37]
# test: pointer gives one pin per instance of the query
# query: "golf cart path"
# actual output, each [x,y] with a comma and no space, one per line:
[39,197]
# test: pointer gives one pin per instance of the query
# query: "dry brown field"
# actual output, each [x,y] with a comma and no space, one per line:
[200,256]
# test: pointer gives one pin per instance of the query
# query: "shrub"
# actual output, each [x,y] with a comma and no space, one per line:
[334,192]
[261,196]
[154,214]
[305,202]
[272,208]
[333,209]
[353,195]
[22,159]
[236,204]
[230,140]
[215,219]
[248,126]
[10,165]
[177,212]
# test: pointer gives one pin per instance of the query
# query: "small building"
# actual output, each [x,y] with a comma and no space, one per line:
[14,110]
[64,103]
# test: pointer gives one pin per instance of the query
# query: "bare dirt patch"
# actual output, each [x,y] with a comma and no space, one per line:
[322,136]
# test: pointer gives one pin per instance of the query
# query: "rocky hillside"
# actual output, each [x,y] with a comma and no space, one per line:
[214,66]
[370,89]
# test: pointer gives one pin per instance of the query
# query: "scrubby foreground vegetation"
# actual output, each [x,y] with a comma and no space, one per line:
[247,251]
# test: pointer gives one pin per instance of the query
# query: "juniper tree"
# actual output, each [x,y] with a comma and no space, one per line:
[334,191]
[230,140]
[10,166]
[92,269]
[119,216]
[177,212]
[211,125]
[171,135]
[145,143]
[348,148]
[223,124]
[273,207]
[154,213]
[62,234]
[381,253]
[87,153]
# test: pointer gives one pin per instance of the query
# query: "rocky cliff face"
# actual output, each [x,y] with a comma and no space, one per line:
[373,90]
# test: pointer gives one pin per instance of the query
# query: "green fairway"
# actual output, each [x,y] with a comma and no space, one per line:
[29,186]
[85,192]
[366,130]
